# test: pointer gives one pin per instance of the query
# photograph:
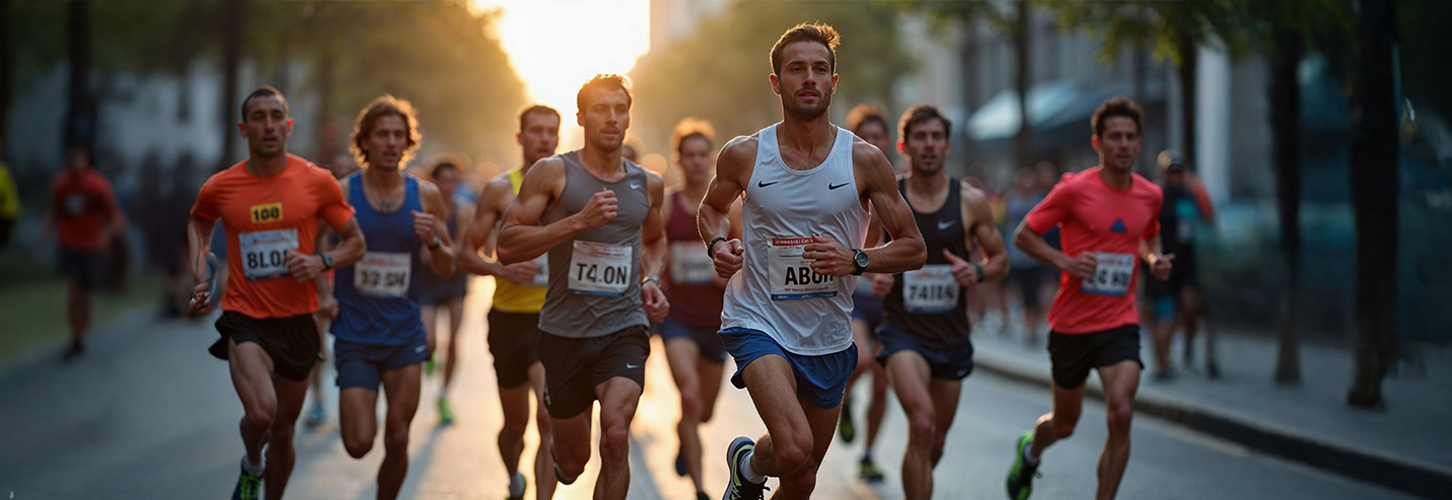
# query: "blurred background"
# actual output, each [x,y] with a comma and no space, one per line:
[1318,129]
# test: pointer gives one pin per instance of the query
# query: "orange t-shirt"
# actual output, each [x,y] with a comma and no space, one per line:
[83,204]
[1094,217]
[264,217]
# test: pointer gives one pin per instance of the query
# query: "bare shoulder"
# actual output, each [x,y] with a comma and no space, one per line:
[496,194]
[740,150]
[429,191]
[655,185]
[972,196]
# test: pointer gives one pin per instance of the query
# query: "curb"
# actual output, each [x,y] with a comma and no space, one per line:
[1407,477]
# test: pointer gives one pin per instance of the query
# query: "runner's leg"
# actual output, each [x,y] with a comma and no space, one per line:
[619,398]
[684,358]
[1121,381]
[402,388]
[280,454]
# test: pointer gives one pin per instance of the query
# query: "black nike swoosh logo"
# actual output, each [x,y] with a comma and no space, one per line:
[762,184]
[835,186]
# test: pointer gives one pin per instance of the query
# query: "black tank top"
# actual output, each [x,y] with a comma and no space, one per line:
[933,309]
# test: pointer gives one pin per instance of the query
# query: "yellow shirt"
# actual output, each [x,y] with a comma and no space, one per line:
[9,196]
[512,297]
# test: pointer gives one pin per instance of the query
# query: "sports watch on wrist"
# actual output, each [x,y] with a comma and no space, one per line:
[327,260]
[438,242]
[859,259]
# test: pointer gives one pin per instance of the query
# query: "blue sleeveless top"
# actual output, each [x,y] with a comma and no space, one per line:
[378,300]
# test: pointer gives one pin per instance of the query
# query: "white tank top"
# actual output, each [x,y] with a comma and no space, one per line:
[776,291]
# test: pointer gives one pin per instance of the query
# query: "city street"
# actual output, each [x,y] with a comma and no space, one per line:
[148,414]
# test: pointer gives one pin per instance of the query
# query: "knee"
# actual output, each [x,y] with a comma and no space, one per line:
[1119,415]
[792,453]
[706,413]
[542,424]
[614,443]
[571,459]
[1064,425]
[357,444]
[800,484]
[396,440]
[690,406]
[515,427]
[921,430]
[260,416]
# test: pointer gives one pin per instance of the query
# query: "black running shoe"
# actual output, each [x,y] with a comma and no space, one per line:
[738,488]
[844,424]
[681,462]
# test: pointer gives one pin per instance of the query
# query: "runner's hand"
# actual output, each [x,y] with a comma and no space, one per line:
[963,272]
[1162,267]
[602,207]
[423,226]
[328,306]
[832,259]
[655,301]
[882,284]
[520,273]
[728,257]
[1083,266]
[304,267]
[201,302]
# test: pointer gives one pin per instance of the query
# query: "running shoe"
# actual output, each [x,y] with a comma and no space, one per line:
[681,462]
[316,417]
[739,488]
[844,425]
[429,367]
[446,414]
[701,495]
[868,471]
[1021,476]
[517,485]
[249,487]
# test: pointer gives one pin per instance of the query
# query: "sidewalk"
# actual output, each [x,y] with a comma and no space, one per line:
[1403,446]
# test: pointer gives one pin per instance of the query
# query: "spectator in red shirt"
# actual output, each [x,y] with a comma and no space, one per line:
[85,217]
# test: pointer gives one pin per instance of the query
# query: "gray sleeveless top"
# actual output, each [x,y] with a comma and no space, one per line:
[594,285]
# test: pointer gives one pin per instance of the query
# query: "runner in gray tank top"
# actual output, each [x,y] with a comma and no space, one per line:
[925,328]
[806,187]
[599,218]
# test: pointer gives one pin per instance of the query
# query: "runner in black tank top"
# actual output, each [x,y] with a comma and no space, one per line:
[925,319]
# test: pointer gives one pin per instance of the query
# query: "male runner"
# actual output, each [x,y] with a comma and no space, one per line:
[86,218]
[693,350]
[925,328]
[868,123]
[1108,218]
[342,165]
[599,218]
[519,293]
[270,205]
[1028,275]
[808,186]
[448,292]
[378,335]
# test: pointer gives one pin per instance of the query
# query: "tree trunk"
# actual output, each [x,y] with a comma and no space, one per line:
[80,124]
[1023,141]
[232,20]
[1189,60]
[1285,118]
[1374,180]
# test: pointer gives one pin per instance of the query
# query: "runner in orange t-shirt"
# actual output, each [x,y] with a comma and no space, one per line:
[1108,219]
[84,214]
[269,205]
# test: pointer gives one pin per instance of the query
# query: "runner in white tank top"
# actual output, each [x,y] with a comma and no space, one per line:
[807,188]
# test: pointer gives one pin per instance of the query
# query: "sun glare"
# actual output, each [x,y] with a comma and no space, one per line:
[556,45]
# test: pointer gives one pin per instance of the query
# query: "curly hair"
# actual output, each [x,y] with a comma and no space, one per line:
[385,105]
[1116,106]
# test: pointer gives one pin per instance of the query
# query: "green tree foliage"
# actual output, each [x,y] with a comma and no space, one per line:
[720,73]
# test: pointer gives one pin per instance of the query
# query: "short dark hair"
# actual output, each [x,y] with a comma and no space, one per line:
[689,128]
[863,114]
[536,109]
[265,91]
[821,33]
[919,114]
[1116,106]
[604,80]
[385,105]
[445,161]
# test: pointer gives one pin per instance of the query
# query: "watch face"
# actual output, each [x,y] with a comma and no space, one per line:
[860,259]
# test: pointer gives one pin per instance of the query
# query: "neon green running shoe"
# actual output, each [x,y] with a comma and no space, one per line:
[446,414]
[1021,476]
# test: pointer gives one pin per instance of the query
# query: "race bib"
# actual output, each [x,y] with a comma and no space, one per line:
[690,265]
[600,269]
[541,271]
[383,274]
[1112,276]
[931,289]
[791,275]
[264,253]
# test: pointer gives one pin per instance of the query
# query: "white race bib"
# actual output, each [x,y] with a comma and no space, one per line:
[600,269]
[690,265]
[541,271]
[931,289]
[383,274]
[791,275]
[264,253]
[1112,276]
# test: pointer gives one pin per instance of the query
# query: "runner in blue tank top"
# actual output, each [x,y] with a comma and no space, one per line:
[379,336]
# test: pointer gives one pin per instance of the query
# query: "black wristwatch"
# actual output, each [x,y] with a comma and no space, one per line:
[438,242]
[327,260]
[711,248]
[859,259]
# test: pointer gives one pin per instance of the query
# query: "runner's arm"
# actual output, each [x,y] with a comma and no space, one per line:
[521,238]
[441,258]
[733,171]
[906,250]
[199,242]
[1029,236]
[976,208]
[486,216]
[320,243]
[652,236]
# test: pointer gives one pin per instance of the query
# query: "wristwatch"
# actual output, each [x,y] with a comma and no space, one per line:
[438,242]
[652,278]
[327,260]
[859,259]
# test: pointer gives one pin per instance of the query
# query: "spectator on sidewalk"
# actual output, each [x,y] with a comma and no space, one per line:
[1179,302]
[86,219]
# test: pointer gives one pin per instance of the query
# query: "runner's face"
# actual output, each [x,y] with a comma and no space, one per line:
[1025,181]
[385,143]
[605,118]
[1119,144]
[540,137]
[266,126]
[875,134]
[77,161]
[448,182]
[1175,178]
[696,162]
[806,82]
[342,165]
[927,145]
